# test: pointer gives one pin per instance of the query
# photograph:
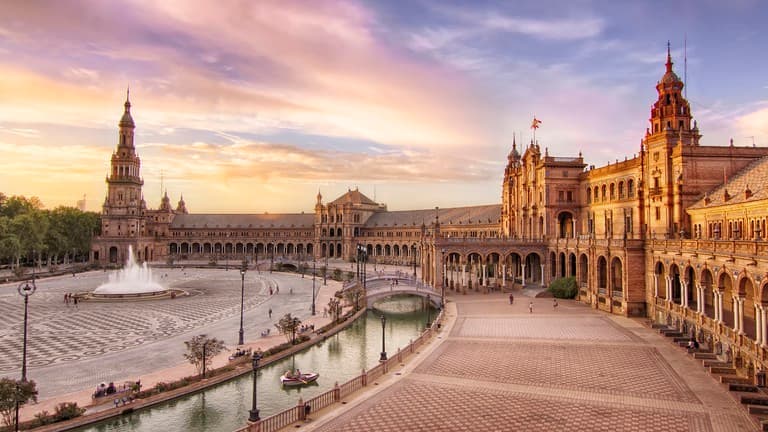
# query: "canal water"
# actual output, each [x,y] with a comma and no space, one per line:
[339,358]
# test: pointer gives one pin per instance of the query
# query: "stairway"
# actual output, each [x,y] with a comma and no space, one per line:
[752,397]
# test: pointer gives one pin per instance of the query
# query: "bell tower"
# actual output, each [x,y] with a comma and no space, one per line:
[124,205]
[670,131]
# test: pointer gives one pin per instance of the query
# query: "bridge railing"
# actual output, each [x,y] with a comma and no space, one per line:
[299,412]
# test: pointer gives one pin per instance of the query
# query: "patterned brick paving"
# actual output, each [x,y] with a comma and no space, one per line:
[569,327]
[412,406]
[601,369]
[574,369]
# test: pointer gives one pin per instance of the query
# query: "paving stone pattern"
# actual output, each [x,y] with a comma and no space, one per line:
[600,368]
[574,369]
[60,333]
[430,407]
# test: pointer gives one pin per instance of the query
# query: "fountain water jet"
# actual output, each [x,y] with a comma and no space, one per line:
[133,282]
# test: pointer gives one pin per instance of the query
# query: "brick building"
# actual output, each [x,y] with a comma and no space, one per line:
[675,233]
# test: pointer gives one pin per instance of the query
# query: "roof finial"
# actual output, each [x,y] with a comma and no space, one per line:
[669,58]
[128,94]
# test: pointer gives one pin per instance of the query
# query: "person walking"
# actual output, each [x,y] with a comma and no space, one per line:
[511,298]
[74,301]
[554,304]
[530,307]
[270,312]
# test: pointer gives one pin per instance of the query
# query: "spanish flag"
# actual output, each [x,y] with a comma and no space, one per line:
[536,123]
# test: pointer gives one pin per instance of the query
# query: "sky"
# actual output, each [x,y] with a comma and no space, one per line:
[253,106]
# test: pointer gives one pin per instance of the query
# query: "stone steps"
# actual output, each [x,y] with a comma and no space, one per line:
[735,379]
[720,370]
[743,388]
[699,355]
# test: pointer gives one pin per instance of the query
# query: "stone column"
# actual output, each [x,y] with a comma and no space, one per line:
[523,278]
[483,275]
[655,285]
[758,324]
[503,276]
[700,298]
[542,275]
[684,300]
[718,305]
[741,315]
[763,313]
[668,288]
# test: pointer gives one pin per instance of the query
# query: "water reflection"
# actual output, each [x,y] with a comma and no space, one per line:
[337,359]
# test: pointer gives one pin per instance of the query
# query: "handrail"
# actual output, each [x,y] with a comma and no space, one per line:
[297,413]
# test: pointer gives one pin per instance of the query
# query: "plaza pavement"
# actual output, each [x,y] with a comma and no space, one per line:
[497,367]
[71,350]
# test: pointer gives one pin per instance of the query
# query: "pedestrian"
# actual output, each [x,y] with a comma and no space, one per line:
[66,298]
[270,290]
[554,304]
[74,301]
[325,312]
[511,298]
[530,307]
[270,312]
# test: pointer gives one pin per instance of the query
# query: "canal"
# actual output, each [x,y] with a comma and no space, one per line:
[337,359]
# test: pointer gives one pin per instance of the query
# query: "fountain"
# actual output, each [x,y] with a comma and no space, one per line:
[133,282]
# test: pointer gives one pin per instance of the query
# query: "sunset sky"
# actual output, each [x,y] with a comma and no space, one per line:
[252,106]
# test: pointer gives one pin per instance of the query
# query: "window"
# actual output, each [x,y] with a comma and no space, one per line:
[631,188]
[569,196]
[658,213]
[560,196]
[621,190]
[589,195]
[613,191]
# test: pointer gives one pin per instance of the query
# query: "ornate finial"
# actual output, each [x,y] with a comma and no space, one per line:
[128,94]
[669,58]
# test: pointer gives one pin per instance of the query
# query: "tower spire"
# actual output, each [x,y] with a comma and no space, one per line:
[669,58]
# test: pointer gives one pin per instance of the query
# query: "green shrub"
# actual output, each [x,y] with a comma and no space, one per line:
[564,288]
[67,411]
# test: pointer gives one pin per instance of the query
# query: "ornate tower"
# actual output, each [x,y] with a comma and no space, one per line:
[122,213]
[670,128]
[508,192]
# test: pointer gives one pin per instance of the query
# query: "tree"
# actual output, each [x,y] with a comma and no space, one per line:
[11,392]
[201,349]
[288,326]
[334,308]
[353,295]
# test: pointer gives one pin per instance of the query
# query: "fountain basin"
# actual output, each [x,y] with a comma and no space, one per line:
[156,295]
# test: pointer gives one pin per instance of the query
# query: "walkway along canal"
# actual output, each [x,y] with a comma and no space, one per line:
[337,359]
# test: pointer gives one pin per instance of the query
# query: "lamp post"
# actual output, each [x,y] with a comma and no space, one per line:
[243,269]
[442,278]
[325,273]
[272,259]
[429,303]
[313,287]
[254,412]
[383,357]
[413,254]
[25,289]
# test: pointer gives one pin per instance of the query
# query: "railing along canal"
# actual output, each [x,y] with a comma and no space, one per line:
[299,412]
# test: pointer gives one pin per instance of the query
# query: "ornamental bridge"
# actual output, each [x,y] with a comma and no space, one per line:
[384,285]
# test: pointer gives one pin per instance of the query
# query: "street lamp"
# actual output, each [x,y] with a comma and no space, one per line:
[413,254]
[25,289]
[313,286]
[443,278]
[242,300]
[254,412]
[272,259]
[325,273]
[383,357]
[428,307]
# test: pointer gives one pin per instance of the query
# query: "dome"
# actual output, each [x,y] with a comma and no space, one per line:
[126,120]
[670,77]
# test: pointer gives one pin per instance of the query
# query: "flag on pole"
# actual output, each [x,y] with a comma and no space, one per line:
[536,123]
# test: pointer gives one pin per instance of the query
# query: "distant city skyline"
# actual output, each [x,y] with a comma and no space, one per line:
[254,106]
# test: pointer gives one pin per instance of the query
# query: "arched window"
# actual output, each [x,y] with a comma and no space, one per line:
[613,191]
[589,195]
[602,196]
[631,188]
[621,190]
